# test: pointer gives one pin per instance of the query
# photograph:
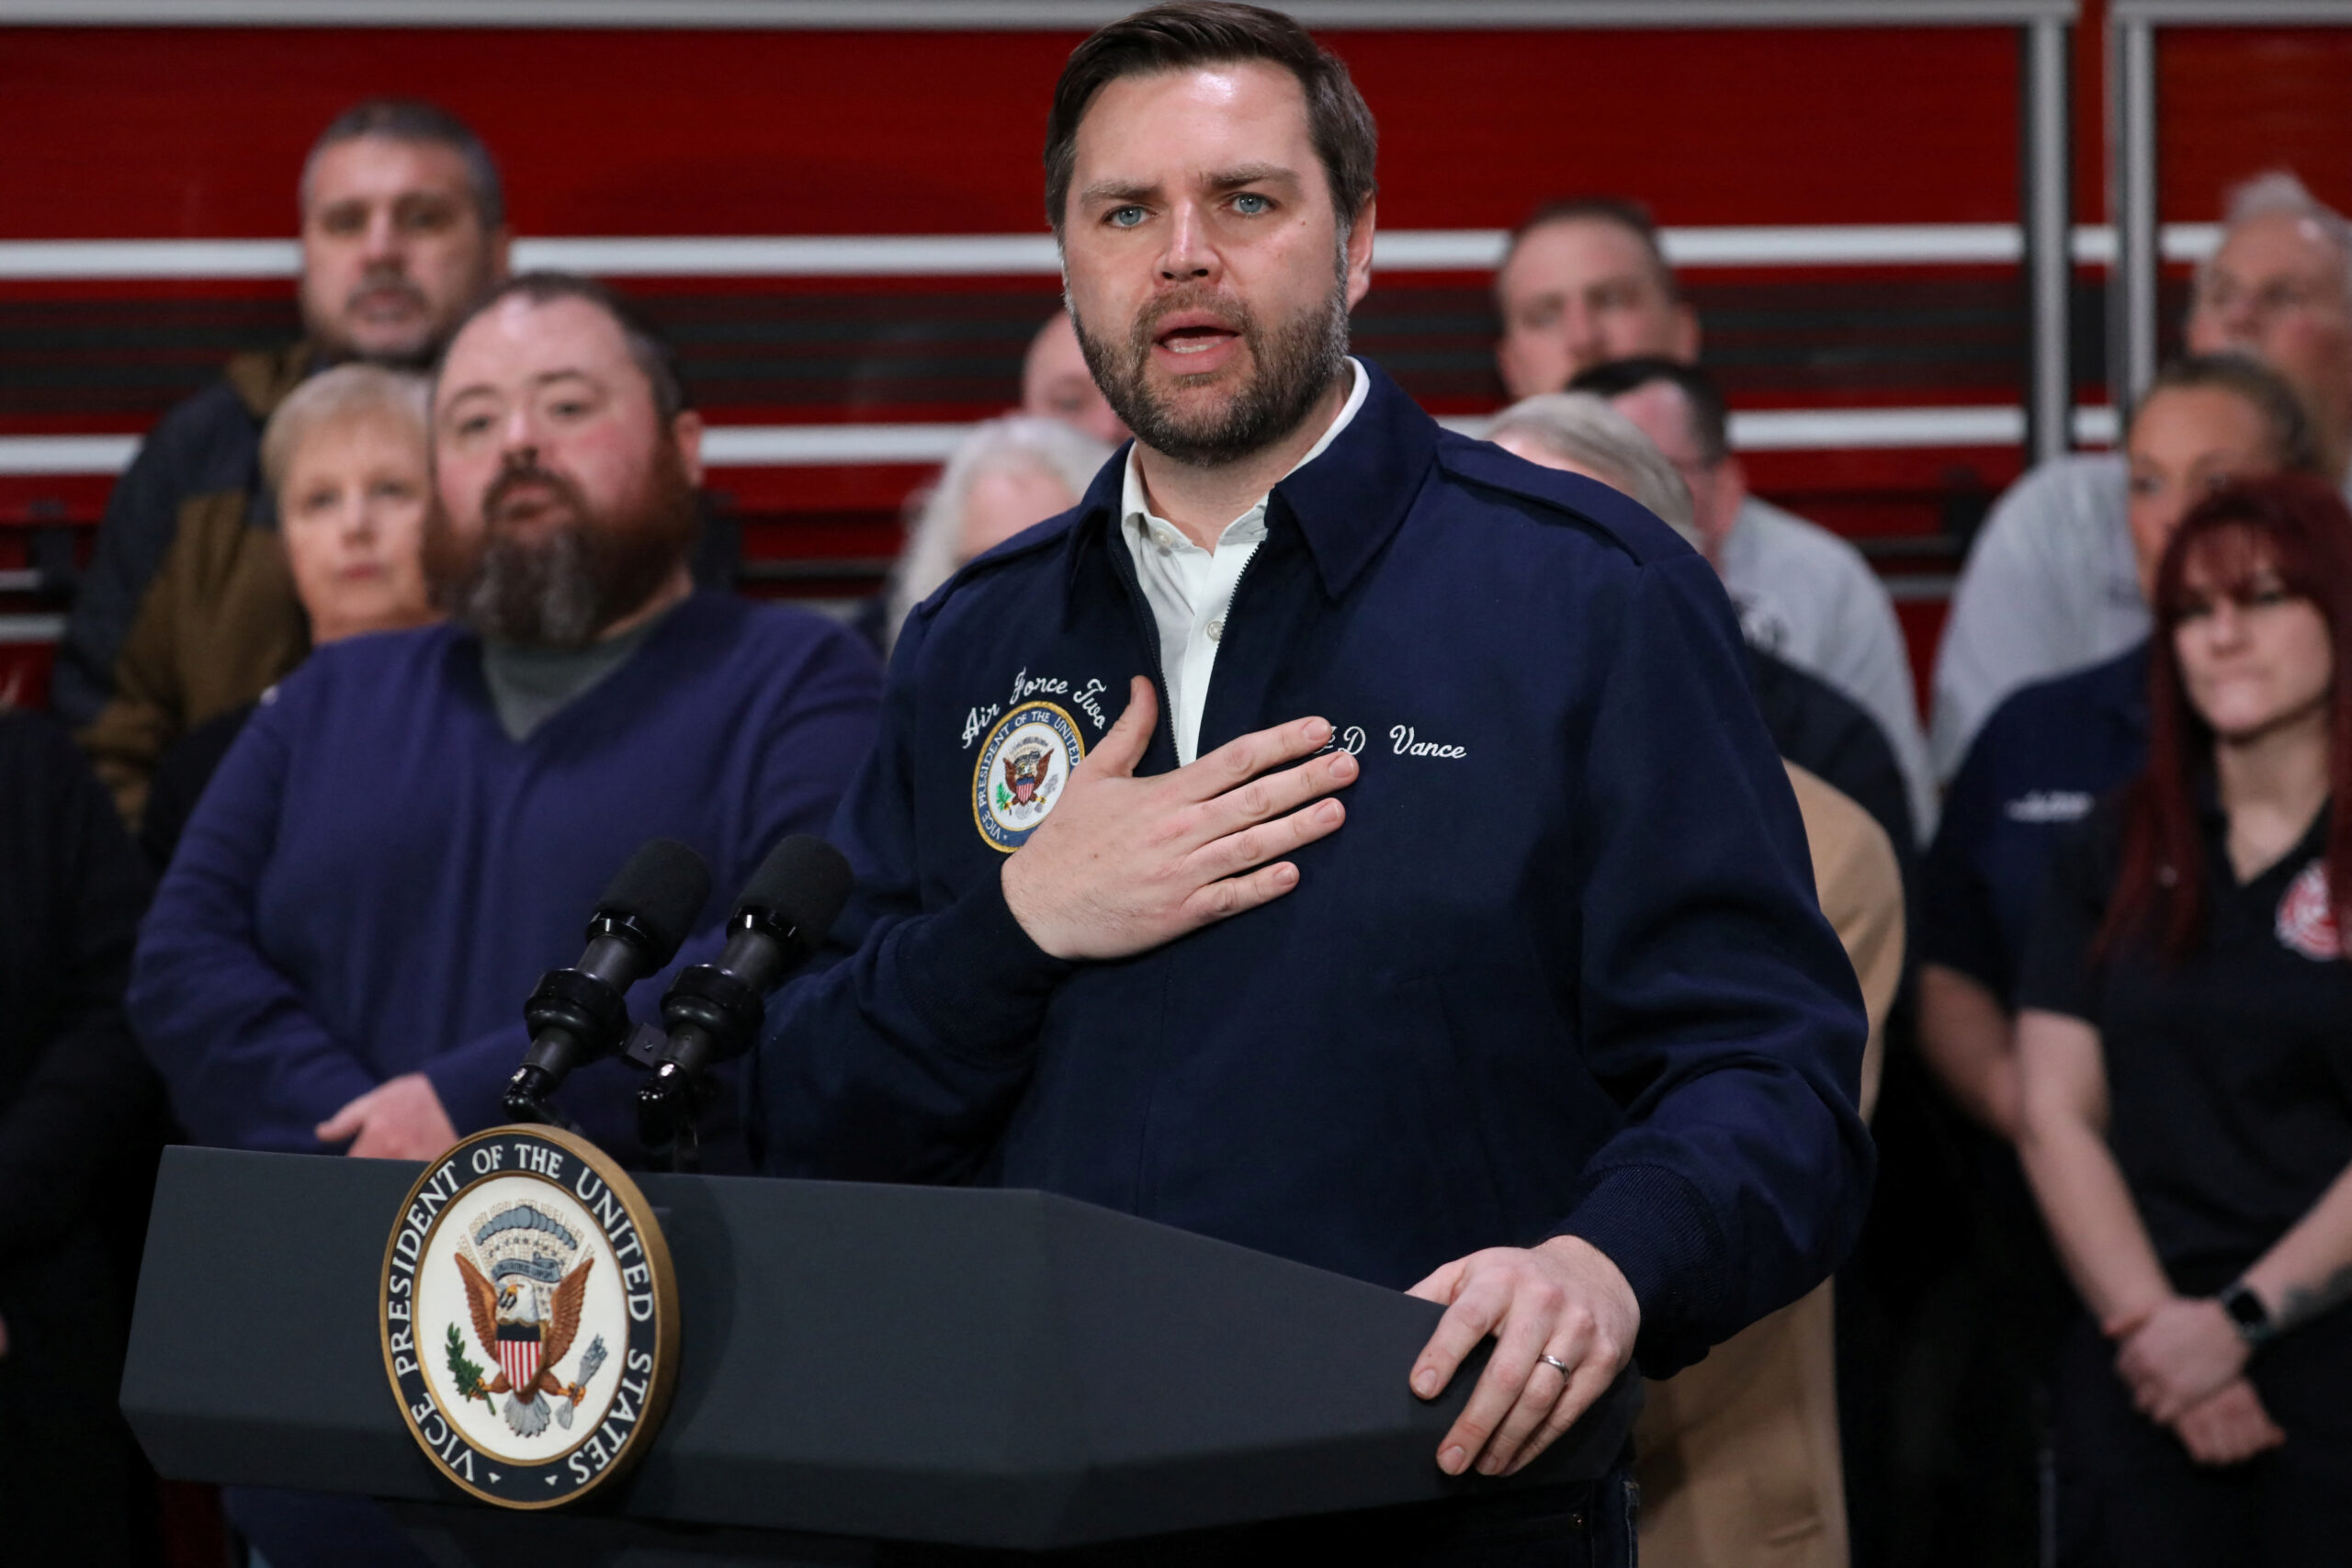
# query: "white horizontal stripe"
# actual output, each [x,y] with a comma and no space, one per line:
[972,15]
[1815,430]
[1010,255]
[1846,244]
[802,446]
[66,454]
[30,628]
[808,446]
[2097,425]
[2095,245]
[2234,13]
[1806,430]
[913,256]
[149,258]
[1773,430]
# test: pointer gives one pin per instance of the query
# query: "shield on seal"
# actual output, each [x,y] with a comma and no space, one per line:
[1025,772]
[518,1353]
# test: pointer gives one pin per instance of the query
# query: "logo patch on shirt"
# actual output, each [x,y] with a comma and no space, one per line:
[2306,923]
[1021,773]
[2049,805]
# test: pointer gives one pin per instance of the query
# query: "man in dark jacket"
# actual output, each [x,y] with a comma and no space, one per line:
[1551,1030]
[189,610]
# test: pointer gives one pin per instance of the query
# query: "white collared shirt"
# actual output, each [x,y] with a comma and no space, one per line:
[1190,589]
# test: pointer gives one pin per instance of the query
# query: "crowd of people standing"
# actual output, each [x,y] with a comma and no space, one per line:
[403,630]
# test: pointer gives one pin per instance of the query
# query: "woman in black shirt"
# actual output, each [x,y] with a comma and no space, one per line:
[2185,1043]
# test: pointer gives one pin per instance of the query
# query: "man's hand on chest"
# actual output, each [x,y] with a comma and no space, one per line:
[1124,864]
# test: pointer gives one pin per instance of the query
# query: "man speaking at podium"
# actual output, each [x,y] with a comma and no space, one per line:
[1337,836]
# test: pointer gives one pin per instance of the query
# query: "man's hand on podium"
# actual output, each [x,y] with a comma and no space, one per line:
[398,1119]
[1560,1304]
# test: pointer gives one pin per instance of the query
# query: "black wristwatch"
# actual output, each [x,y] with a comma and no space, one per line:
[2247,1314]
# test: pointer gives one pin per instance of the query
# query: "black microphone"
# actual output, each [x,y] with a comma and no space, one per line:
[579,1014]
[714,1010]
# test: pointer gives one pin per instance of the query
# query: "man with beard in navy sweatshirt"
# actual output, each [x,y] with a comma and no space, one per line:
[415,824]
[1436,911]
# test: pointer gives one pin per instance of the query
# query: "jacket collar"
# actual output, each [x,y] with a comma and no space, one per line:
[1346,502]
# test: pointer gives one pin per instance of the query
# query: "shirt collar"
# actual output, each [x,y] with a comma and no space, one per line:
[1134,507]
[1348,494]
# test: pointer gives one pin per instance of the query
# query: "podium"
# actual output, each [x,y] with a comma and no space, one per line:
[861,1363]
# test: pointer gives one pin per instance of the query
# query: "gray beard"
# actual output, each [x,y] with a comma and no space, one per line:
[563,591]
[1293,365]
[547,595]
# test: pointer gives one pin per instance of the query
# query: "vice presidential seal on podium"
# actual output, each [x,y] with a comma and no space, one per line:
[529,1317]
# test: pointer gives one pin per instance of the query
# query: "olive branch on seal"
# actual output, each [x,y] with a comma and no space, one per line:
[468,1374]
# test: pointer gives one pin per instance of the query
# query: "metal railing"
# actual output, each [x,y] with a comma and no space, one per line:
[2132,157]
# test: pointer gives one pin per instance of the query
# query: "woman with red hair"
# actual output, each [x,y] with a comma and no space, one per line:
[2185,1040]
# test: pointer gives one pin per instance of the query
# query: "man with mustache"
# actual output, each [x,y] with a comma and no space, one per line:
[415,824]
[1435,911]
[189,608]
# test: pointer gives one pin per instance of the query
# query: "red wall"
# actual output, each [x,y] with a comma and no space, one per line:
[154,132]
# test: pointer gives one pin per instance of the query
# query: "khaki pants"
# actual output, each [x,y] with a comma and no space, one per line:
[1737,1457]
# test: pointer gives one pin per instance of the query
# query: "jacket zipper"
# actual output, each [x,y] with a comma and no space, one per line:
[1140,610]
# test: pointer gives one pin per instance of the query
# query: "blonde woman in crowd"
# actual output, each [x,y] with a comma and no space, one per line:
[345,455]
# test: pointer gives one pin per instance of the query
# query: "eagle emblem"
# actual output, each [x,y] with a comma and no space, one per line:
[1027,758]
[525,1295]
[493,1284]
[1028,774]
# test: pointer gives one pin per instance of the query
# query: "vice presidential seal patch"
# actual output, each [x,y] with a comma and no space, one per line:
[1023,767]
[529,1317]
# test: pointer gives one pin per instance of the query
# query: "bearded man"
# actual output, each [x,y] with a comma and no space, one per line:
[415,824]
[1435,911]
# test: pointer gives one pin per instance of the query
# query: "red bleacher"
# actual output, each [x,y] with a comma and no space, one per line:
[183,134]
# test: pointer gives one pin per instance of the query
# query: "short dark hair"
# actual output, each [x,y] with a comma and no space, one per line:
[1710,419]
[2296,443]
[1623,212]
[1215,32]
[646,348]
[414,119]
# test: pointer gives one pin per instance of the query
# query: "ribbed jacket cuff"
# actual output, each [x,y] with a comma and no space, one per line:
[1653,1224]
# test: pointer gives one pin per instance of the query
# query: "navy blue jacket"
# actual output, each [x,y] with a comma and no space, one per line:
[2032,774]
[1562,969]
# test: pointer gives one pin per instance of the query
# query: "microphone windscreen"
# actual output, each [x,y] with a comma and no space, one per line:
[803,884]
[663,885]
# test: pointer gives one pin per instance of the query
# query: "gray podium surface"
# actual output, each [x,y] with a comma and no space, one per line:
[977,1366]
